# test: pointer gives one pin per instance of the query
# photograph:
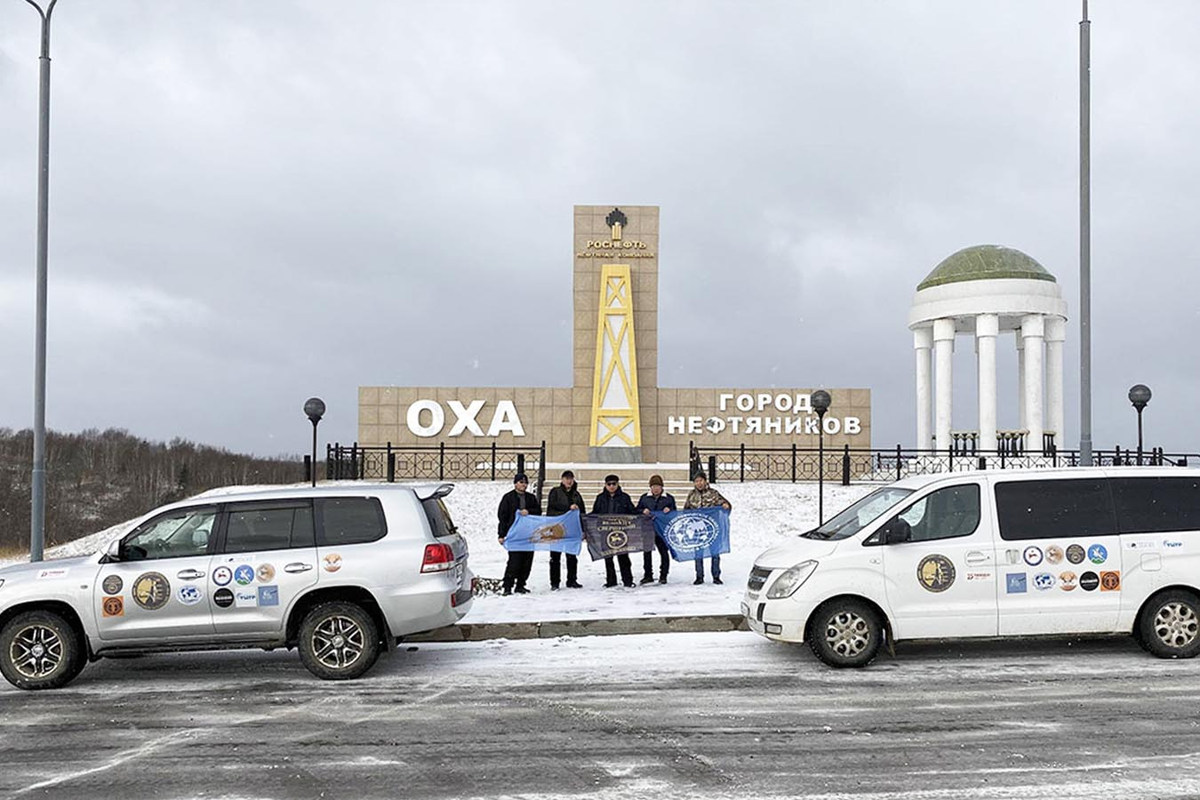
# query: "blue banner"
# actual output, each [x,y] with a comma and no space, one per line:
[562,533]
[695,533]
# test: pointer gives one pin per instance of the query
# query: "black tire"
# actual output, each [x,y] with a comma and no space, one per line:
[845,633]
[40,650]
[1169,625]
[319,646]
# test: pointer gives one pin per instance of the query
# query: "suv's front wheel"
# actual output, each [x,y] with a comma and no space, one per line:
[845,633]
[338,641]
[40,650]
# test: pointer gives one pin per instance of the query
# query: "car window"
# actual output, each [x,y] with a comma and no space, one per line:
[944,514]
[439,517]
[1157,505]
[350,520]
[175,534]
[1049,509]
[253,528]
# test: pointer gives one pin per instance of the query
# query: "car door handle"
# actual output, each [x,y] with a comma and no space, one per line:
[189,575]
[297,567]
[975,558]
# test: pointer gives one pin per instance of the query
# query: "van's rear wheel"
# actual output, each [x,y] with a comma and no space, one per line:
[1170,625]
[338,641]
[845,633]
[40,650]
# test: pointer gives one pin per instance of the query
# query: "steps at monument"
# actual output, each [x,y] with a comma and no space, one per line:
[635,478]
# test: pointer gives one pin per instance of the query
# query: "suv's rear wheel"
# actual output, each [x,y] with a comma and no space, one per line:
[338,641]
[845,633]
[40,650]
[1170,625]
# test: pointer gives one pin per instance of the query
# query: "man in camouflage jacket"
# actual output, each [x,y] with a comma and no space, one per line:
[704,496]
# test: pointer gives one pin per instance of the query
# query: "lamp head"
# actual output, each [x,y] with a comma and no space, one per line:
[314,408]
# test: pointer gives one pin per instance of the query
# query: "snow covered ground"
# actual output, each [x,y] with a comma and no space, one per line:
[763,515]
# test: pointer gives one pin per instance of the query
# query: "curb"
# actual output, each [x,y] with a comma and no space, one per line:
[469,632]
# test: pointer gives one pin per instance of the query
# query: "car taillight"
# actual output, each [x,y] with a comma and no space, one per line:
[438,558]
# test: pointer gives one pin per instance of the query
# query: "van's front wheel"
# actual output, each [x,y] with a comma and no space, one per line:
[1170,625]
[845,633]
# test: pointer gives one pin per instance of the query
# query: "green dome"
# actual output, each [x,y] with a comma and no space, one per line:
[985,262]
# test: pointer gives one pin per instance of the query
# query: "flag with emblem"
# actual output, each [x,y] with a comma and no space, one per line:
[562,533]
[695,533]
[613,534]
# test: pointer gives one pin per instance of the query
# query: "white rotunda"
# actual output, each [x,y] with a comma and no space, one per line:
[984,292]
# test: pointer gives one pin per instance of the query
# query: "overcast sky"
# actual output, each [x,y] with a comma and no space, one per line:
[255,202]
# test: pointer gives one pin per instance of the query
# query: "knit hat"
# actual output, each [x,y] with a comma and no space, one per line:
[699,474]
[611,479]
[520,477]
[656,480]
[568,474]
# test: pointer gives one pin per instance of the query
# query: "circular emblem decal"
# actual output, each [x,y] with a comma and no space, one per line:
[244,575]
[1110,581]
[223,598]
[688,533]
[1033,556]
[222,576]
[1043,581]
[189,595]
[332,562]
[112,584]
[151,591]
[1066,581]
[113,606]
[617,539]
[265,573]
[1054,554]
[936,573]
[1088,581]
[1098,554]
[1075,554]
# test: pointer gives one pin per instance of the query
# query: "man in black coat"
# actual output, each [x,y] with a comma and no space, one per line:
[614,501]
[518,501]
[563,498]
[656,500]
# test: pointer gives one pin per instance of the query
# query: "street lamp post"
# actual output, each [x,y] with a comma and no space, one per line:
[820,401]
[1139,395]
[37,515]
[314,408]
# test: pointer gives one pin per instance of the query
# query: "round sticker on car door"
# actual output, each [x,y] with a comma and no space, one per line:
[935,573]
[1033,556]
[151,591]
[332,562]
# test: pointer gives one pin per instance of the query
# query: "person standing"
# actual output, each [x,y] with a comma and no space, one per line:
[656,500]
[613,500]
[563,498]
[704,496]
[518,501]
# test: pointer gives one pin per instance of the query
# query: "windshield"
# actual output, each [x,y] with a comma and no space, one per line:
[860,515]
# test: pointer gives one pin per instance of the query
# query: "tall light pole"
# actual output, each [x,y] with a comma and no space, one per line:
[1085,239]
[1139,396]
[314,409]
[820,401]
[37,516]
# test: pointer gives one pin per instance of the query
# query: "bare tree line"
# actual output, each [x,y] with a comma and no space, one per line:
[96,479]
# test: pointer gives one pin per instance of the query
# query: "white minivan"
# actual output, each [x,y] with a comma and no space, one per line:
[986,554]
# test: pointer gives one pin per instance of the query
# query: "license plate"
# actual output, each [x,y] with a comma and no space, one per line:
[459,570]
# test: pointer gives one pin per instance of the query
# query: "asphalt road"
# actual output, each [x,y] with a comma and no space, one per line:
[676,715]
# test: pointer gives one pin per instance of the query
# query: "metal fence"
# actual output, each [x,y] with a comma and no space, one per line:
[742,463]
[434,462]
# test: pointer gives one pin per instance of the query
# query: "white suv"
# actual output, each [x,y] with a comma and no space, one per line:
[339,573]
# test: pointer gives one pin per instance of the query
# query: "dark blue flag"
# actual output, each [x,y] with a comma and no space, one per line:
[562,533]
[694,533]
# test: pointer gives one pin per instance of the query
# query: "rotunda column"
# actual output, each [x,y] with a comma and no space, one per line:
[923,345]
[943,350]
[1056,334]
[1022,424]
[1033,331]
[987,328]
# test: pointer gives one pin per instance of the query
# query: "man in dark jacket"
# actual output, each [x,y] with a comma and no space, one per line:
[656,500]
[614,501]
[563,498]
[518,501]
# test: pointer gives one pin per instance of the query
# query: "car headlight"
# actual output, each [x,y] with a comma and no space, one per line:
[791,580]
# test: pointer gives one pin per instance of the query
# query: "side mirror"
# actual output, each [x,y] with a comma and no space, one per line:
[112,553]
[896,531]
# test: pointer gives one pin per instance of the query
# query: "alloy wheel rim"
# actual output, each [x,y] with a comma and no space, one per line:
[338,642]
[36,651]
[847,633]
[1176,625]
